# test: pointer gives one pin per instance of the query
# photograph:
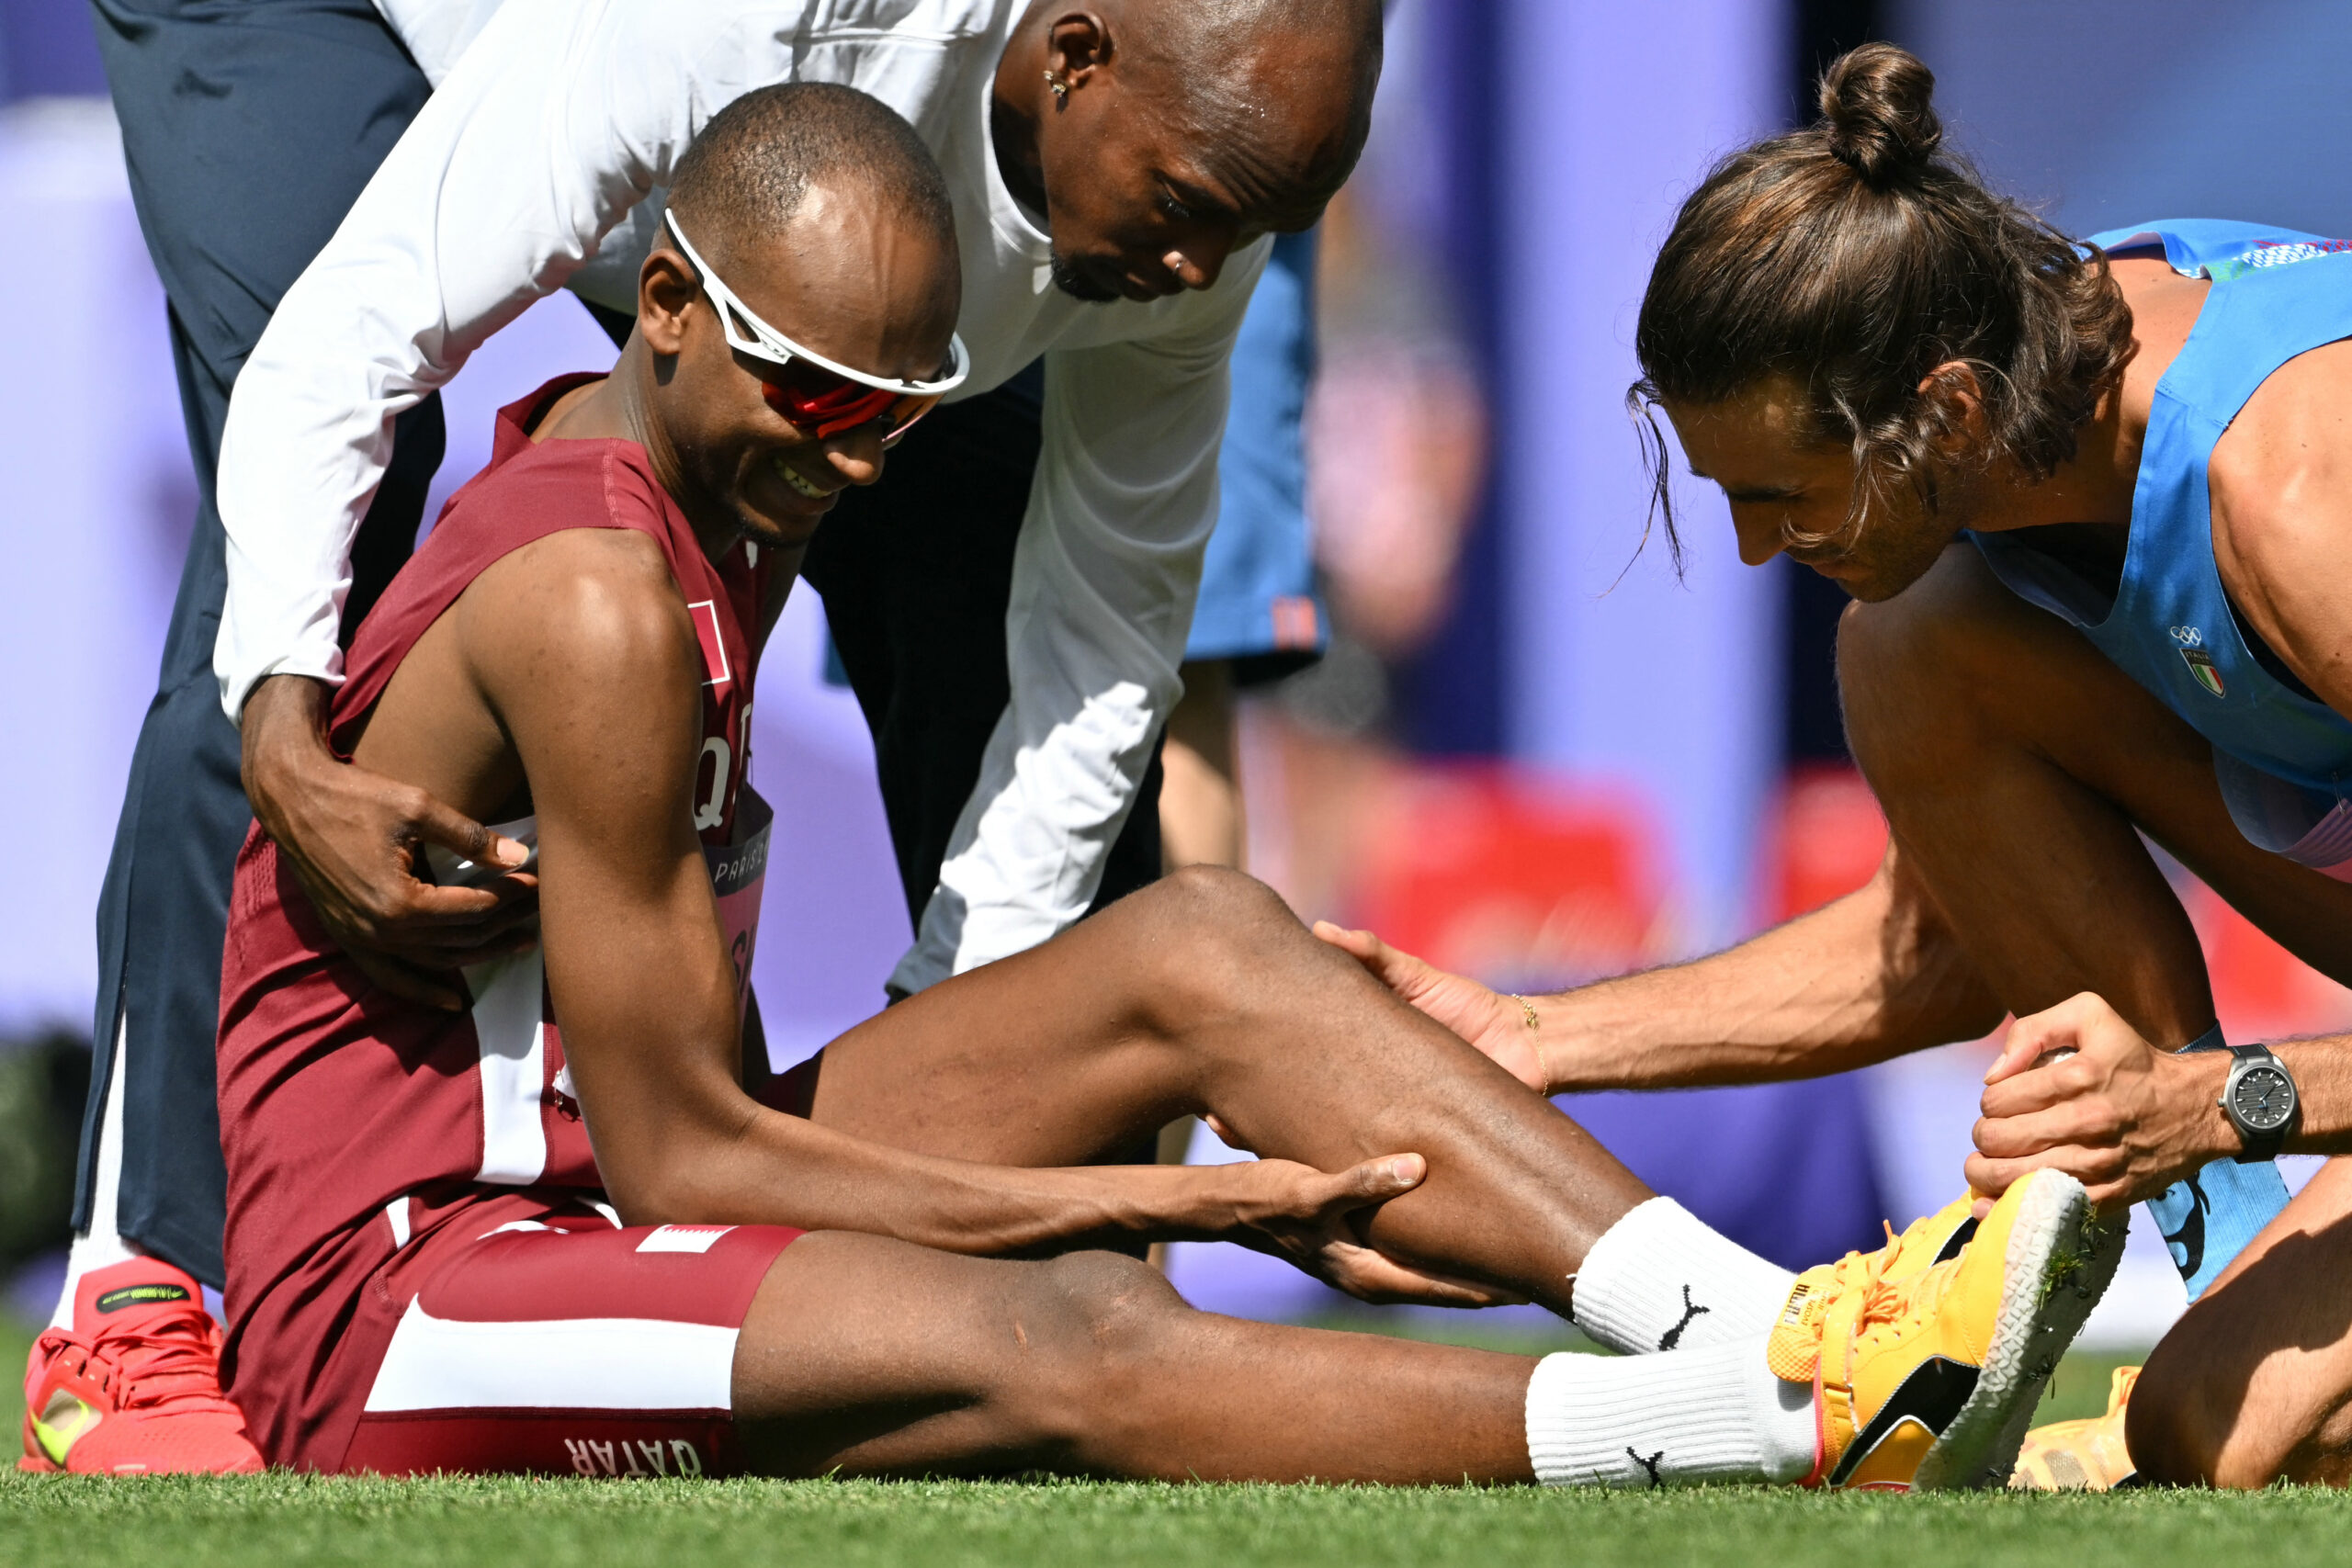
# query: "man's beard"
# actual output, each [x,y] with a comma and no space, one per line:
[1902,556]
[1072,281]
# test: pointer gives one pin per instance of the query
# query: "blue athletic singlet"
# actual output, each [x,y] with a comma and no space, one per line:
[2283,759]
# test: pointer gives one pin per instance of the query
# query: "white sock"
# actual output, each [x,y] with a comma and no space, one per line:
[101,1246]
[1676,1419]
[1658,1280]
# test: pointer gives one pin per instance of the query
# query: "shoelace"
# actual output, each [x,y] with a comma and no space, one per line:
[1856,1270]
[1885,1300]
[169,1362]
[1889,1300]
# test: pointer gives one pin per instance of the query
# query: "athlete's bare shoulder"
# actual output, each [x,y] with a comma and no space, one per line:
[585,617]
[2281,478]
[572,595]
[584,628]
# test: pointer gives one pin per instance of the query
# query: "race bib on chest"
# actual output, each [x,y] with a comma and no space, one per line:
[739,872]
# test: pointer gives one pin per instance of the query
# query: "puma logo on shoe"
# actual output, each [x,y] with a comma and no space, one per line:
[1650,1463]
[1673,1336]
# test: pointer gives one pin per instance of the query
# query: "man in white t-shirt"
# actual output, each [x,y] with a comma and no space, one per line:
[344,200]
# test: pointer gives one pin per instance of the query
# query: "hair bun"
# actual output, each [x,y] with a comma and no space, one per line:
[1877,114]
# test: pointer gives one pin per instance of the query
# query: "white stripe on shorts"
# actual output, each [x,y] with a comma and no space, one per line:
[513,1037]
[683,1238]
[582,1363]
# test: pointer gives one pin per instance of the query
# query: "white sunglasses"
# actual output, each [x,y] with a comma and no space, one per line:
[828,411]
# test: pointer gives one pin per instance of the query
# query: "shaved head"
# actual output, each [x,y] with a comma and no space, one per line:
[748,174]
[1279,92]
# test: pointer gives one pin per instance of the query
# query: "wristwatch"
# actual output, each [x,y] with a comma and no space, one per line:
[2260,1101]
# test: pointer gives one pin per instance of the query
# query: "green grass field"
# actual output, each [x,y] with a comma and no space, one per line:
[286,1521]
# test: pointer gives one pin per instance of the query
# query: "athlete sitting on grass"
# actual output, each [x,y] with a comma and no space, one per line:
[2093,502]
[490,1241]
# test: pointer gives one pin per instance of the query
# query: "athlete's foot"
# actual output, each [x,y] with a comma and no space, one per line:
[1926,1377]
[2088,1455]
[133,1388]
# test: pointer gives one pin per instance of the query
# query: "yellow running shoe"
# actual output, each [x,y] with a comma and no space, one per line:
[1927,1379]
[2088,1455]
[1928,1240]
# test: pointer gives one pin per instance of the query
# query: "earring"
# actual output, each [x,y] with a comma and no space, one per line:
[1060,88]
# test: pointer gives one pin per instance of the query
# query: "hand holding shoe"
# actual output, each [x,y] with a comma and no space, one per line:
[2077,1089]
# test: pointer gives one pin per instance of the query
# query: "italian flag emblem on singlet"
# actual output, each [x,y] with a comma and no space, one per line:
[2191,643]
[2200,664]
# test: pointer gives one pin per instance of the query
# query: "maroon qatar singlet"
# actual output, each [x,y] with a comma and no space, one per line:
[370,1140]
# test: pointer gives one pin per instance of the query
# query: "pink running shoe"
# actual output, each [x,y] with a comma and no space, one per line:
[134,1387]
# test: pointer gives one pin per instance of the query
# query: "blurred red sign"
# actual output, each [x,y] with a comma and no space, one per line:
[1825,841]
[1521,878]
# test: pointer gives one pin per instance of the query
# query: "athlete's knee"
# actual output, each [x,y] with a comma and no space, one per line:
[1208,900]
[1915,672]
[1217,929]
[1900,657]
[2168,1428]
[2200,1417]
[1109,1305]
[1957,636]
[1091,1324]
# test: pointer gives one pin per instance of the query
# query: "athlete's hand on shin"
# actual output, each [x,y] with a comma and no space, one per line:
[355,839]
[1488,1021]
[2075,1089]
[1310,1217]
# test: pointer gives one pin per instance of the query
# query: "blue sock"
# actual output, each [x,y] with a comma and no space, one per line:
[2208,1219]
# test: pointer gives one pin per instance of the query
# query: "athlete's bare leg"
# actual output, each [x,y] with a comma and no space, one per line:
[2254,1384]
[871,1356]
[1203,993]
[2014,762]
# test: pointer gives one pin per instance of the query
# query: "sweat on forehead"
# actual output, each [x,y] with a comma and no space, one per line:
[749,172]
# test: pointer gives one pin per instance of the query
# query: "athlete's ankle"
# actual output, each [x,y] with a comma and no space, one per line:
[1661,1279]
[1686,1416]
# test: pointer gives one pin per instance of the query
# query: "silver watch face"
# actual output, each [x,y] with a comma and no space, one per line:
[2264,1098]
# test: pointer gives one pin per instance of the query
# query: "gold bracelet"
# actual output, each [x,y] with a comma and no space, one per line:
[1527,1010]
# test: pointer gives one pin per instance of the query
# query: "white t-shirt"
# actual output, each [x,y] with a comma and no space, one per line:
[530,168]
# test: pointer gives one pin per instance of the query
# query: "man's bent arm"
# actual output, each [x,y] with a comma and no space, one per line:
[353,838]
[531,150]
[1870,975]
[1103,581]
[585,656]
[1865,978]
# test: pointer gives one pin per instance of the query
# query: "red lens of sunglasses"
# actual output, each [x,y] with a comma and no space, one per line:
[835,404]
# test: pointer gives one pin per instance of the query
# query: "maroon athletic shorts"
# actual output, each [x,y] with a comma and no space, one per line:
[566,1345]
